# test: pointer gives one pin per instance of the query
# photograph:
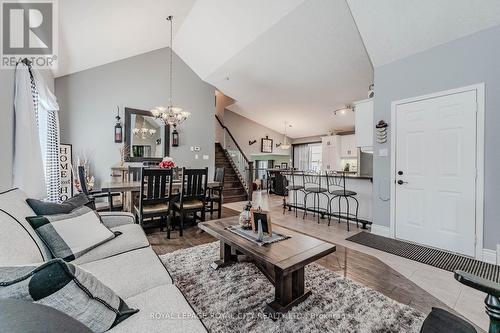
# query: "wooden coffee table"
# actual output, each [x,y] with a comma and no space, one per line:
[281,262]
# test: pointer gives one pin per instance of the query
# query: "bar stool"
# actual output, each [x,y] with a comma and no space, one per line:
[336,188]
[312,185]
[293,185]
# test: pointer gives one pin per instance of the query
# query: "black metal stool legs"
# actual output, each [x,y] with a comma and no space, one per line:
[348,214]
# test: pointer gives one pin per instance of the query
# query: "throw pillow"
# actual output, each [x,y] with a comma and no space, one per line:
[69,236]
[67,288]
[51,208]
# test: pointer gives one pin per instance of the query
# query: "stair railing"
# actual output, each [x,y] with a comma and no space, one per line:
[240,162]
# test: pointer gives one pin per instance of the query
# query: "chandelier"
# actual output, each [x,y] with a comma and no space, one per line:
[170,115]
[285,145]
[144,132]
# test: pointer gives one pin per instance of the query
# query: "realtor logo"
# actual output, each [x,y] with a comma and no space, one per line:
[29,30]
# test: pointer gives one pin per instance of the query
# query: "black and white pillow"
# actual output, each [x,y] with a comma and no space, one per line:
[51,208]
[69,236]
[67,288]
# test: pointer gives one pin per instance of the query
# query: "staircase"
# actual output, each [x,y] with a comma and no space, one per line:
[234,189]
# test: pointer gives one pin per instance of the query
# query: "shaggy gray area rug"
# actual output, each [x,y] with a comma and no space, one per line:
[232,299]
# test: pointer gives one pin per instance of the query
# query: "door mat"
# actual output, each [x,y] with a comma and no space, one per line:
[430,256]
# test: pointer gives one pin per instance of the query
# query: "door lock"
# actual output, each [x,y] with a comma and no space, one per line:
[400,172]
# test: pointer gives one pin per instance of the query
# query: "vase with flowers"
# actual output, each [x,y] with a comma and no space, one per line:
[167,163]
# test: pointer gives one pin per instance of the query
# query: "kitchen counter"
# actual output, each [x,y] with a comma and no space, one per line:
[348,175]
[362,185]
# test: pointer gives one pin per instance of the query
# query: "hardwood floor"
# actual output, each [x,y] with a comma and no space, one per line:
[192,236]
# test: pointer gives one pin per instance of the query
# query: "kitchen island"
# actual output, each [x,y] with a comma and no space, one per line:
[362,185]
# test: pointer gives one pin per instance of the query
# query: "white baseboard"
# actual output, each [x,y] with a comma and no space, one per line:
[381,230]
[490,256]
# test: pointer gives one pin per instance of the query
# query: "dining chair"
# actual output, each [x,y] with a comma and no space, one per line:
[214,193]
[193,195]
[134,173]
[93,194]
[155,197]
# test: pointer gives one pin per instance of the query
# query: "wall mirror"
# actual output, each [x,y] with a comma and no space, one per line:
[146,137]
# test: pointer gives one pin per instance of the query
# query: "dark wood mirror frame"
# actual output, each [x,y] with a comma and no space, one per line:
[128,137]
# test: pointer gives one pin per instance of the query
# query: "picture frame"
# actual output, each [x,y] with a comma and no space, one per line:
[284,165]
[65,171]
[265,217]
[266,145]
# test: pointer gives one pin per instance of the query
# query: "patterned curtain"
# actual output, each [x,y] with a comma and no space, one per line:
[51,158]
[46,110]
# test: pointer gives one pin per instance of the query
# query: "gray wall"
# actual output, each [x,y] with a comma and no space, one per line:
[7,123]
[88,101]
[244,130]
[466,61]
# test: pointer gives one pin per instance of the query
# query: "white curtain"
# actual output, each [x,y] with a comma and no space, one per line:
[48,128]
[36,141]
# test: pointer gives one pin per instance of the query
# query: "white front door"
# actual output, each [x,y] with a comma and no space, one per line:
[436,172]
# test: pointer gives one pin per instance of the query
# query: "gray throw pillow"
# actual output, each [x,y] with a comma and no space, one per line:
[51,208]
[67,288]
[69,236]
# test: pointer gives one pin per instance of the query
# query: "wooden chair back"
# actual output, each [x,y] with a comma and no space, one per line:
[134,173]
[194,184]
[156,186]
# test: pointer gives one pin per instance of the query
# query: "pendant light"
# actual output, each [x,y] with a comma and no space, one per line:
[171,115]
[285,145]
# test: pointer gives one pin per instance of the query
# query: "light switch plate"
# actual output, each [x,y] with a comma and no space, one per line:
[383,152]
[196,156]
[191,148]
[206,157]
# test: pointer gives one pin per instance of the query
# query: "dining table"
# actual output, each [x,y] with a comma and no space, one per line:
[127,187]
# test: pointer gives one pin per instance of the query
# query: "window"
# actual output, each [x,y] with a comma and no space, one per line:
[307,157]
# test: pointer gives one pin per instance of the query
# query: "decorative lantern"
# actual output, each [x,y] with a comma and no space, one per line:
[118,128]
[175,138]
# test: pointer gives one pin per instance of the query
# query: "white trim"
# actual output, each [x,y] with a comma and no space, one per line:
[489,256]
[380,230]
[480,91]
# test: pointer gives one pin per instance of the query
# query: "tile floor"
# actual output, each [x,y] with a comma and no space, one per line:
[436,282]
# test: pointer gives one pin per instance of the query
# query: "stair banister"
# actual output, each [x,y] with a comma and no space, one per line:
[241,169]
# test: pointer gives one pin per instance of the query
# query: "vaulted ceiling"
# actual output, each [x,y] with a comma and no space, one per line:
[293,60]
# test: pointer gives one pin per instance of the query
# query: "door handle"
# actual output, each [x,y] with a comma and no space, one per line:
[400,182]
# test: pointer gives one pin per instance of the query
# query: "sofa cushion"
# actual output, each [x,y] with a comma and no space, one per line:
[116,219]
[132,238]
[69,236]
[141,270]
[163,309]
[19,247]
[67,288]
[52,208]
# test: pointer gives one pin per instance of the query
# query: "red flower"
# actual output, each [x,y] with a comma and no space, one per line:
[167,164]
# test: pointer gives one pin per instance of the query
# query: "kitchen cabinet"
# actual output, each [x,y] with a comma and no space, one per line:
[363,117]
[330,153]
[348,147]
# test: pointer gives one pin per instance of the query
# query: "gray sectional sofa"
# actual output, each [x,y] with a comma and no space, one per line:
[127,264]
